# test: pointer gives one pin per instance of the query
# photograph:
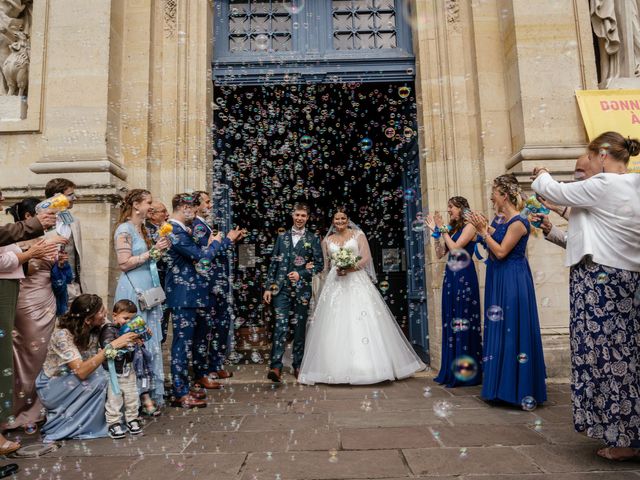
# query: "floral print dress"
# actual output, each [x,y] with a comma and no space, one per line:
[605,353]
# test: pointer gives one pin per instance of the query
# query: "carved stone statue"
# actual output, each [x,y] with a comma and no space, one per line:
[15,30]
[616,24]
[16,67]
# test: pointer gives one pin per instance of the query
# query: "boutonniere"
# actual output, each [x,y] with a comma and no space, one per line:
[307,245]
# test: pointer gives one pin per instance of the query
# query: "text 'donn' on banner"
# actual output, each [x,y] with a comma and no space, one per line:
[606,110]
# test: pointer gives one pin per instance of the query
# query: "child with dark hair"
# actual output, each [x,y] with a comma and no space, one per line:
[122,390]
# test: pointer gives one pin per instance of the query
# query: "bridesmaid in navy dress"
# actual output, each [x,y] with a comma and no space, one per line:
[513,362]
[461,340]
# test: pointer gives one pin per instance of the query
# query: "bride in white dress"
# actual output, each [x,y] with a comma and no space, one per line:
[353,337]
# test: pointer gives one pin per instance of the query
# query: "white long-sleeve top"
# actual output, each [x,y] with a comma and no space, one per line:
[604,220]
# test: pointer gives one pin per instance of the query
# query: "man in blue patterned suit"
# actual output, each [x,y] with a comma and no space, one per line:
[289,287]
[219,280]
[188,295]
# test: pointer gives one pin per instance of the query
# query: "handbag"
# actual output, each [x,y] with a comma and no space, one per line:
[149,298]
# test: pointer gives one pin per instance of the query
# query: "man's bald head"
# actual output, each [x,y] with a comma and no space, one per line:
[158,213]
[584,168]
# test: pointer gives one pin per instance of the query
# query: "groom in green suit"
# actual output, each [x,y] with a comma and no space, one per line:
[289,287]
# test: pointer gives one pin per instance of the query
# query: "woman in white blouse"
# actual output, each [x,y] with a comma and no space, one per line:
[603,251]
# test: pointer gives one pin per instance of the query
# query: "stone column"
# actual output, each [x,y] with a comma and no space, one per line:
[496,82]
[450,129]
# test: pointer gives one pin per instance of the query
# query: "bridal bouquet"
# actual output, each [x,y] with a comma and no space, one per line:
[344,259]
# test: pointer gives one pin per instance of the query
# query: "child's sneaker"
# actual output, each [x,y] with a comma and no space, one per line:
[116,431]
[134,427]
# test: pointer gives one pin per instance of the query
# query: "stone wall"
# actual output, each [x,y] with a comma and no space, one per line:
[120,96]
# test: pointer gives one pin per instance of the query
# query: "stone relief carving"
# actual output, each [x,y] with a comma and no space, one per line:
[15,29]
[170,17]
[616,24]
[452,8]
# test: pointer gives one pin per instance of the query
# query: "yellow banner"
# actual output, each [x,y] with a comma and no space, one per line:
[617,110]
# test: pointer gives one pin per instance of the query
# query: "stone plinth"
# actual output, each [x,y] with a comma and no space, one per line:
[12,108]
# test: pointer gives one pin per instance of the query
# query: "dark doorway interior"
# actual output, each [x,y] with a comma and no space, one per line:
[327,145]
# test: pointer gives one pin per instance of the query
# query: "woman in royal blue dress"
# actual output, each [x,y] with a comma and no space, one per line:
[461,340]
[513,361]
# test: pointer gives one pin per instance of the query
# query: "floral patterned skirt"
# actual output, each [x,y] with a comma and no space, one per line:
[605,353]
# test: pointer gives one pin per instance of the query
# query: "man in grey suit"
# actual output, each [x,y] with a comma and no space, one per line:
[74,247]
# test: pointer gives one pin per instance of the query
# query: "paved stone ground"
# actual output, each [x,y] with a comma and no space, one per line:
[254,430]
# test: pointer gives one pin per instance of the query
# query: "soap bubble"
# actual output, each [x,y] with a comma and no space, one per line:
[30,428]
[465,368]
[426,392]
[375,394]
[460,325]
[292,8]
[306,141]
[494,313]
[256,357]
[538,424]
[365,341]
[199,231]
[602,278]
[418,224]
[442,408]
[262,41]
[384,286]
[204,266]
[333,455]
[499,219]
[7,372]
[529,403]
[458,259]
[299,261]
[366,144]
[389,132]
[404,92]
[409,194]
[523,358]
[2,333]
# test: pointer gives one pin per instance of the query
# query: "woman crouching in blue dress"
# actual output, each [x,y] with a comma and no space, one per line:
[461,337]
[72,385]
[513,361]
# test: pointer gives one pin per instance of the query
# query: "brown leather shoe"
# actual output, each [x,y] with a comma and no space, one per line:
[296,372]
[222,374]
[206,382]
[274,375]
[189,401]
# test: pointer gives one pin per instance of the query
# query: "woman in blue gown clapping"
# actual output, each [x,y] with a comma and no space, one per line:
[513,361]
[461,340]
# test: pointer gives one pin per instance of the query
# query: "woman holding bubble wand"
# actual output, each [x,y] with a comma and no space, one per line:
[461,338]
[513,362]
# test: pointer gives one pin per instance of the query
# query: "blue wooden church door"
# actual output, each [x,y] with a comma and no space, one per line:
[288,46]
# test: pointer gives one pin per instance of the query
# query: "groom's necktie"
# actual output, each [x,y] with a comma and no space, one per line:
[296,235]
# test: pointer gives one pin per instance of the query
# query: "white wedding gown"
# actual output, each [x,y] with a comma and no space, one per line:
[353,337]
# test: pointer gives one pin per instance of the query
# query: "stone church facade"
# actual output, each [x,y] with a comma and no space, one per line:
[118,94]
